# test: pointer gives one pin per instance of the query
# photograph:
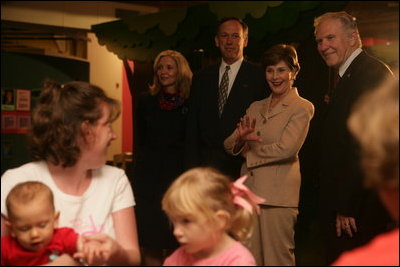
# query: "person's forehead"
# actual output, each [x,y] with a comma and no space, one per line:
[281,64]
[328,26]
[331,23]
[167,59]
[40,203]
[231,25]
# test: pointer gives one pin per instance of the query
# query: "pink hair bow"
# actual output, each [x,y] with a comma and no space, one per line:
[239,189]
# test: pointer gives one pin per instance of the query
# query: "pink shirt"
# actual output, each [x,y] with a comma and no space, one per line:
[383,250]
[235,255]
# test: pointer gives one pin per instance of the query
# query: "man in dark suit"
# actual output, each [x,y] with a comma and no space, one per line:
[219,97]
[351,214]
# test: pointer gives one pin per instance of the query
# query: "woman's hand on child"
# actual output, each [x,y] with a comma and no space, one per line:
[94,251]
[102,248]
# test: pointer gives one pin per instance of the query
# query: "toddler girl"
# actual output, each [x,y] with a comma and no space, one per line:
[210,216]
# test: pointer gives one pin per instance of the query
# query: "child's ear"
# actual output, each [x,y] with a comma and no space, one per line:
[56,219]
[8,225]
[223,218]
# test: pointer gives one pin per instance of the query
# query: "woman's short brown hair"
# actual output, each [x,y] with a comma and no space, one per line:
[282,52]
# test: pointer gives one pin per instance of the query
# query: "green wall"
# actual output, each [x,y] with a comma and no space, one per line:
[26,71]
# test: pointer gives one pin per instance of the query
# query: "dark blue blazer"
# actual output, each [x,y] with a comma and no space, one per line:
[341,183]
[206,131]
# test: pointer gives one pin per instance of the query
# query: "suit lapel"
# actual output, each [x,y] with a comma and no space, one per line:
[275,111]
[264,108]
[213,88]
[357,61]
[238,83]
[237,88]
[280,107]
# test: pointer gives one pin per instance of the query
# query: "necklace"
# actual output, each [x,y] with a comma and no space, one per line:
[168,101]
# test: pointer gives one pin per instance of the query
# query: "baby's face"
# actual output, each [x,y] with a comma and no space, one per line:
[33,224]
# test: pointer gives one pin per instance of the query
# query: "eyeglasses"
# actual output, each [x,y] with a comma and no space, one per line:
[233,36]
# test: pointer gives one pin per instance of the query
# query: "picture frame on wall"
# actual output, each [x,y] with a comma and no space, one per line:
[15,122]
[8,121]
[7,99]
[23,100]
[23,122]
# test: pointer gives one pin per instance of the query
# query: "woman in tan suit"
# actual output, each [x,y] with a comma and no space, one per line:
[270,136]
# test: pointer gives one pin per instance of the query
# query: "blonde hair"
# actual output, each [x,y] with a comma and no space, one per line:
[25,193]
[348,22]
[184,77]
[375,124]
[201,192]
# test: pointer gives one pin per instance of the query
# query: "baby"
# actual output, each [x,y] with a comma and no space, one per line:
[34,237]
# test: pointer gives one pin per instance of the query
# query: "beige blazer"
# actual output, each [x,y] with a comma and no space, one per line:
[273,164]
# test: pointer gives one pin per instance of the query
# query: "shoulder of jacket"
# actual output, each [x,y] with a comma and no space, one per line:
[251,65]
[257,104]
[367,60]
[207,70]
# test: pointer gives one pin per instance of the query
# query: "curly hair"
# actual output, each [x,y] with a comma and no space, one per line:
[58,116]
[201,192]
[184,77]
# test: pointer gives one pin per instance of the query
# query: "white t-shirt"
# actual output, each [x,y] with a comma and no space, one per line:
[109,191]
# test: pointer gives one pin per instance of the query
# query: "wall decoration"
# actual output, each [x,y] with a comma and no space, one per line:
[8,121]
[23,99]
[7,99]
[15,122]
[23,121]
